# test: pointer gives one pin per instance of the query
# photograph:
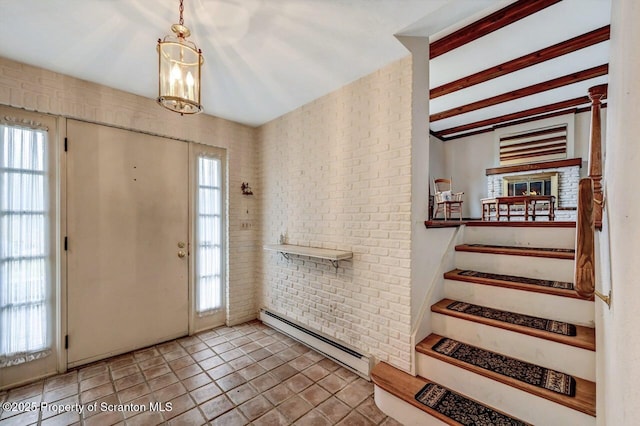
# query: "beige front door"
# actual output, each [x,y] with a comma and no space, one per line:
[128,227]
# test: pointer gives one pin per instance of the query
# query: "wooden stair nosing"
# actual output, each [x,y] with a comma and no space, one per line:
[584,400]
[523,224]
[585,337]
[516,251]
[405,386]
[455,275]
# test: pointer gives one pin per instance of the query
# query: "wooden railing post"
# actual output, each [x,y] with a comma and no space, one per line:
[596,94]
[585,271]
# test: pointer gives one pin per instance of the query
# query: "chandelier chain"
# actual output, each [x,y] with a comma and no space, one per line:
[181,22]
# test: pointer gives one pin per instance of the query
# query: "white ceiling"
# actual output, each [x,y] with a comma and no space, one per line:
[264,58]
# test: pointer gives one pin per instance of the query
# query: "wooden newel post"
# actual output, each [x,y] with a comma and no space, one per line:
[596,94]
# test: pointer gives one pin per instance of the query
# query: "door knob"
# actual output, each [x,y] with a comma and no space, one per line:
[181,254]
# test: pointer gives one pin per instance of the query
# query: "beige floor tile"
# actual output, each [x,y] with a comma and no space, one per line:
[370,410]
[242,393]
[313,418]
[252,371]
[230,381]
[61,393]
[97,392]
[264,382]
[272,418]
[104,418]
[180,363]
[189,371]
[205,393]
[220,371]
[315,394]
[294,408]
[283,372]
[334,409]
[196,381]
[231,418]
[316,372]
[129,381]
[255,407]
[170,392]
[60,381]
[332,383]
[179,405]
[124,371]
[216,407]
[192,417]
[246,374]
[132,393]
[210,363]
[355,419]
[298,383]
[148,418]
[356,392]
[162,381]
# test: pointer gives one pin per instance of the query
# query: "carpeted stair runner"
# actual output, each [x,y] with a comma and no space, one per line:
[515,279]
[532,374]
[461,409]
[553,326]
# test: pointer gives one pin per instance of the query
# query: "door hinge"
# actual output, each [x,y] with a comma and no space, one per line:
[66,341]
[65,144]
[65,243]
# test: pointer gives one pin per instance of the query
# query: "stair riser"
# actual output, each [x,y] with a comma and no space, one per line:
[557,356]
[521,237]
[523,266]
[520,404]
[402,411]
[558,308]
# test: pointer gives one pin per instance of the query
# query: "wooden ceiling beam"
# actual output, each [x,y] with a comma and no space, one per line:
[499,19]
[513,116]
[525,91]
[542,55]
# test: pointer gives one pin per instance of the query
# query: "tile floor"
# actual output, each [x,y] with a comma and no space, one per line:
[247,374]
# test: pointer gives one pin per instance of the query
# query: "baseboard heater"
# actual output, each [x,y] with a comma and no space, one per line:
[355,361]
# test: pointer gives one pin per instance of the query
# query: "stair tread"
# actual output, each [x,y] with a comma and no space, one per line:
[584,399]
[405,386]
[554,253]
[515,282]
[584,338]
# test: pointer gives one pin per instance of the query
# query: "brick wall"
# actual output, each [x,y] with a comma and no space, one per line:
[36,89]
[336,173]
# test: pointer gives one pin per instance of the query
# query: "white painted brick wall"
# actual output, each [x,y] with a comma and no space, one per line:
[568,179]
[336,173]
[36,89]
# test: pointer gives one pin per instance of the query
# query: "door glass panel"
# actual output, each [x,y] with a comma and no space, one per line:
[25,278]
[209,288]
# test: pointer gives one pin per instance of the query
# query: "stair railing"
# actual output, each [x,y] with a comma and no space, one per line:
[590,206]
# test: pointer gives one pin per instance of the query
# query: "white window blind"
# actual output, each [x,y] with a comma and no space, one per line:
[25,290]
[209,286]
[534,146]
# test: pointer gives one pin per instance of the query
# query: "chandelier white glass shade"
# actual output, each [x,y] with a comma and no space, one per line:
[180,64]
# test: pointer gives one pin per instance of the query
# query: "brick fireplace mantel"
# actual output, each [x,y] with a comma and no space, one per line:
[568,176]
[534,166]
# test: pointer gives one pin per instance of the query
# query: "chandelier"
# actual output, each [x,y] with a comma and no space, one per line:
[180,63]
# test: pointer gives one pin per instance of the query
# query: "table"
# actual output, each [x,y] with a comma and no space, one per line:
[529,203]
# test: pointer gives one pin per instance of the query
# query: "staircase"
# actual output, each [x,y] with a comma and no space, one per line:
[511,342]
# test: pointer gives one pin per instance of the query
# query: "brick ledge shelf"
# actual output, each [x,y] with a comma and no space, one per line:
[319,253]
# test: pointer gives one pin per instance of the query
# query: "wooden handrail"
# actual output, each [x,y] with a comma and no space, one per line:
[596,94]
[585,272]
